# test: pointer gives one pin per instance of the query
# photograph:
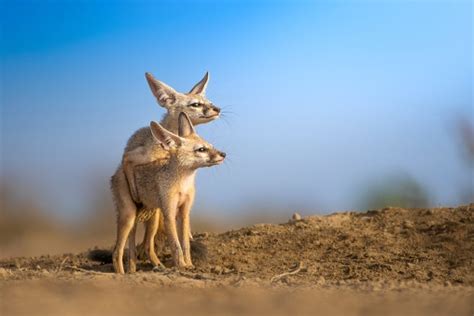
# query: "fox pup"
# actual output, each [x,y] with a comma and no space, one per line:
[142,148]
[168,188]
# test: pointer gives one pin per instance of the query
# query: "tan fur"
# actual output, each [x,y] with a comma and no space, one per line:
[168,189]
[142,148]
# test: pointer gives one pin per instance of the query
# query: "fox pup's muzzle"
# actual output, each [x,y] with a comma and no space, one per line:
[212,112]
[218,157]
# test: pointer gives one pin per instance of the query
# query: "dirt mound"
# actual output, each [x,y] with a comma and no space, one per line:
[392,244]
[431,250]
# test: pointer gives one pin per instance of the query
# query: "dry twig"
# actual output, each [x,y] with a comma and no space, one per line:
[84,270]
[299,267]
[61,265]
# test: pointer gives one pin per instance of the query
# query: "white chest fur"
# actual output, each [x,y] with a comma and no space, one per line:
[185,186]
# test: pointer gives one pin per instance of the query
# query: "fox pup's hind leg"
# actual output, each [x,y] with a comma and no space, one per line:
[131,159]
[125,224]
[132,252]
[149,240]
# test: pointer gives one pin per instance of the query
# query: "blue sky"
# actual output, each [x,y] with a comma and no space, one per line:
[325,98]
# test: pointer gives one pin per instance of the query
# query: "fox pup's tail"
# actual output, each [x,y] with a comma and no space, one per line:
[101,255]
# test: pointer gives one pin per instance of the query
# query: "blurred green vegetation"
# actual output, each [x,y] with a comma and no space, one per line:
[400,190]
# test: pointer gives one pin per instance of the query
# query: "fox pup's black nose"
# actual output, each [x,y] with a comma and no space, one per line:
[216,109]
[222,154]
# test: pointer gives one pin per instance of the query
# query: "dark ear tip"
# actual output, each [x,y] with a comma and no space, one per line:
[154,124]
[148,75]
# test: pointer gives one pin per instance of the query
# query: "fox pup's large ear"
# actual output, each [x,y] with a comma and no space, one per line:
[165,95]
[185,127]
[200,87]
[166,139]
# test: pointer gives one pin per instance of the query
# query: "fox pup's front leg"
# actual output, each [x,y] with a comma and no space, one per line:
[131,159]
[170,210]
[185,229]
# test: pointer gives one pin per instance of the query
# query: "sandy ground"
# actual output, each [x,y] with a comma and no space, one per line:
[391,261]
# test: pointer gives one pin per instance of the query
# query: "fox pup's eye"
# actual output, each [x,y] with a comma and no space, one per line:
[195,105]
[201,149]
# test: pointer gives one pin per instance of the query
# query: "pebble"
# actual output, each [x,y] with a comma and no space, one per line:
[217,270]
[296,217]
[226,271]
[4,272]
[299,224]
[377,286]
[321,280]
[341,282]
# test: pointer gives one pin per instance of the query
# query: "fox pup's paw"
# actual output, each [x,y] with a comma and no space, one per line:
[188,266]
[159,268]
[132,268]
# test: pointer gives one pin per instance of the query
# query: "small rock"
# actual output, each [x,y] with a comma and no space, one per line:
[235,267]
[321,280]
[296,217]
[377,286]
[260,225]
[300,224]
[217,270]
[201,235]
[227,271]
[250,233]
[341,282]
[4,272]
